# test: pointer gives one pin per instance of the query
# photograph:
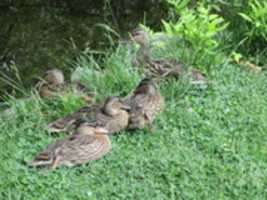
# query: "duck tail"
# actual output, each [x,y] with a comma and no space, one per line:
[40,163]
[60,124]
[56,127]
[42,160]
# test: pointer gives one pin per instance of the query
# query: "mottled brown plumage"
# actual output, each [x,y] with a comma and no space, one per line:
[54,84]
[51,84]
[87,144]
[54,77]
[112,115]
[160,67]
[146,103]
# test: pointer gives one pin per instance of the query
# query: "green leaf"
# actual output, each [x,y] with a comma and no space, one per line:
[167,27]
[179,4]
[246,17]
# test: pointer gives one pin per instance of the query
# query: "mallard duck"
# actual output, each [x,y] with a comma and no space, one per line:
[146,103]
[87,144]
[162,67]
[51,84]
[54,84]
[54,77]
[113,115]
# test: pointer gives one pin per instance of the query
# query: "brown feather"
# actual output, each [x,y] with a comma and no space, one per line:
[76,149]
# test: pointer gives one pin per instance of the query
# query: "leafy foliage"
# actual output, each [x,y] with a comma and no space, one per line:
[247,25]
[199,28]
[256,17]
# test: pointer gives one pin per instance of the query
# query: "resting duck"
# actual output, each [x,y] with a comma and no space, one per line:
[87,144]
[146,103]
[54,84]
[162,68]
[113,115]
[51,84]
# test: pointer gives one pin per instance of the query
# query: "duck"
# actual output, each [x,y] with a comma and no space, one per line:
[160,67]
[146,103]
[87,144]
[51,84]
[54,77]
[113,115]
[54,84]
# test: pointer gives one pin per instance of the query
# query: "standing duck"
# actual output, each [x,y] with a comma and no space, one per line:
[113,115]
[162,68]
[146,103]
[87,144]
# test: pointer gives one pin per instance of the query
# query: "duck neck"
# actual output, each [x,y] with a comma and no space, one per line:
[143,54]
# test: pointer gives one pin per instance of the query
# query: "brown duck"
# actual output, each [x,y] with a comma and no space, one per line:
[51,84]
[163,67]
[54,84]
[113,115]
[146,103]
[87,144]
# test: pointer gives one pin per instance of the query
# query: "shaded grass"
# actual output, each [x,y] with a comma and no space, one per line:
[209,143]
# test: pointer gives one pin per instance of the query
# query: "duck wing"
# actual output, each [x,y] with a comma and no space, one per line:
[154,106]
[76,149]
[65,123]
[82,148]
[45,158]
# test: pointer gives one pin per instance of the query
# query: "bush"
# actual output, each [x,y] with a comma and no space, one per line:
[199,28]
[256,19]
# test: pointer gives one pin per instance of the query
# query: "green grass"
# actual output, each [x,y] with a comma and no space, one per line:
[208,144]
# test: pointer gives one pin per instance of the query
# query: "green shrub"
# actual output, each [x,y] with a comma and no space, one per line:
[247,24]
[256,18]
[199,28]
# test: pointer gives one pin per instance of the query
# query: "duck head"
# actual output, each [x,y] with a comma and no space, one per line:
[114,106]
[54,77]
[141,37]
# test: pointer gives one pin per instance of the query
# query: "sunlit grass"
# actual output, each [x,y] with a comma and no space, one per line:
[208,144]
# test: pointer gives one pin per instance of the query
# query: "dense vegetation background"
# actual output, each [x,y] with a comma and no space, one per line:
[209,143]
[38,35]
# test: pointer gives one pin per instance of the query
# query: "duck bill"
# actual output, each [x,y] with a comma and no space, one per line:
[126,107]
[101,130]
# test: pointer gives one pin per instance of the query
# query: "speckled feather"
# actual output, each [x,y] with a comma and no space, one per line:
[75,149]
[160,67]
[145,105]
[94,114]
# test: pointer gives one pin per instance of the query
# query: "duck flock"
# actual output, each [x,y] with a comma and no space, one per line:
[91,127]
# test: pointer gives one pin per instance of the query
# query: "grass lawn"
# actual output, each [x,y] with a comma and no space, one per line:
[208,144]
